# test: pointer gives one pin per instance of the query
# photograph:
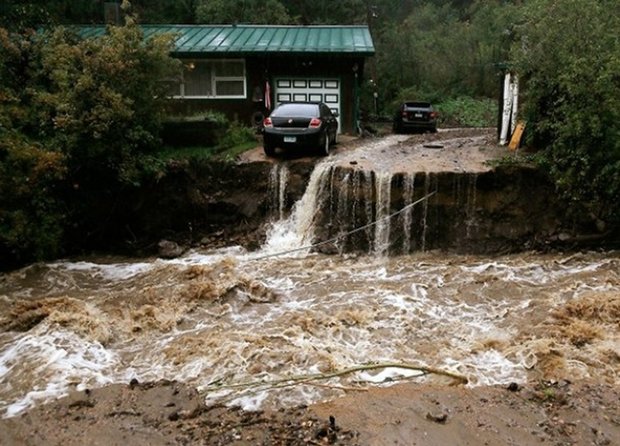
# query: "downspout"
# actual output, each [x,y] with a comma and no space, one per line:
[356,126]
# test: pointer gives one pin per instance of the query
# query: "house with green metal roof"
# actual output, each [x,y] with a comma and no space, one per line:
[245,70]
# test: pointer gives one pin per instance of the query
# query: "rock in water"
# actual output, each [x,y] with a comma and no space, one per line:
[169,249]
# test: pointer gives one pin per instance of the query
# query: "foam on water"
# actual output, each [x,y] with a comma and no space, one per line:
[51,362]
[297,231]
[264,319]
[118,271]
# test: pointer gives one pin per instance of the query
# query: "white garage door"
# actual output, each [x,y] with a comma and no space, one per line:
[309,90]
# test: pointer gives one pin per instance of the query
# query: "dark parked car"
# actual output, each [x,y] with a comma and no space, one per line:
[297,125]
[414,116]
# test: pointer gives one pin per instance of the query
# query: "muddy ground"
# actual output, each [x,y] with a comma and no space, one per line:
[167,413]
[449,150]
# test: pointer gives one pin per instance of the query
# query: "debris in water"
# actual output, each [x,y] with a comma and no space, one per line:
[433,146]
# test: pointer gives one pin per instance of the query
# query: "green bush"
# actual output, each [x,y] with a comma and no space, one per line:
[572,99]
[237,134]
[79,123]
[467,112]
[202,129]
[32,214]
[460,111]
[209,116]
[232,140]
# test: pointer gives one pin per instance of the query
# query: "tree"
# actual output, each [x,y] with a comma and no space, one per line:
[328,12]
[568,56]
[242,11]
[78,122]
[166,11]
[22,14]
[31,174]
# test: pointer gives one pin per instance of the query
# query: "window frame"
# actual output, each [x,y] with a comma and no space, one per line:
[214,79]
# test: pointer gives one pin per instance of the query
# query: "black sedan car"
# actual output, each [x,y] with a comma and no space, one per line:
[415,116]
[299,125]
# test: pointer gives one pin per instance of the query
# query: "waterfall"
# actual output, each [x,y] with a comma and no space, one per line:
[427,188]
[297,230]
[344,214]
[356,191]
[407,216]
[278,179]
[470,205]
[350,207]
[368,208]
[383,186]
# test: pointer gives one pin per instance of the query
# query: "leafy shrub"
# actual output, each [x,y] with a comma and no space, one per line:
[572,99]
[237,134]
[201,129]
[210,116]
[468,112]
[32,215]
[79,122]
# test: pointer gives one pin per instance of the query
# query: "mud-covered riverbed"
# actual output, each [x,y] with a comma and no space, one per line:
[406,414]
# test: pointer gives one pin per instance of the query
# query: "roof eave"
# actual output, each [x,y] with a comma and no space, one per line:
[182,54]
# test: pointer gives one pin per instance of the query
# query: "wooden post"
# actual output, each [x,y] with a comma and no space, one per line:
[515,141]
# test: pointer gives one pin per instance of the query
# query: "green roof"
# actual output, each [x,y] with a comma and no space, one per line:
[257,39]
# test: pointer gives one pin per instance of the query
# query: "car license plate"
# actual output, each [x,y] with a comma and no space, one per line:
[418,115]
[290,139]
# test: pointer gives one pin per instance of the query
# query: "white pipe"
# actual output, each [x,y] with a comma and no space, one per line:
[515,103]
[506,111]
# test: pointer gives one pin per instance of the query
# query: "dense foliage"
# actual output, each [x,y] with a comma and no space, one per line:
[568,55]
[240,11]
[78,124]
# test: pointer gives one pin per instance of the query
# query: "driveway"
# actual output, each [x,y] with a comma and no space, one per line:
[449,150]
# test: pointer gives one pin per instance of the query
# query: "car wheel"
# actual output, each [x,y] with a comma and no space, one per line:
[325,145]
[269,150]
[335,140]
[434,130]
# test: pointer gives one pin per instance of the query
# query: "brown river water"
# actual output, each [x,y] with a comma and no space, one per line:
[219,319]
[231,317]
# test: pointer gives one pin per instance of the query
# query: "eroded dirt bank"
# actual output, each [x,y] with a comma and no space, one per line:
[555,413]
[480,205]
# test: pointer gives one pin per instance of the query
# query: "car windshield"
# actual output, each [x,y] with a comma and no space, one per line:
[296,110]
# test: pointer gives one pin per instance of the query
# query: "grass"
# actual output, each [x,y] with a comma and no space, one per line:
[183,153]
[518,158]
[204,153]
[231,153]
[465,111]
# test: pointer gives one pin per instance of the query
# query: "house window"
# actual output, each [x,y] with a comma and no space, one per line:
[211,79]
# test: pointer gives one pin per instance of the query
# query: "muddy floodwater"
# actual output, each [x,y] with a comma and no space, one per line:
[238,326]
[217,319]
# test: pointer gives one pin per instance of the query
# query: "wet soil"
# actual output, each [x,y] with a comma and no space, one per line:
[169,413]
[449,150]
